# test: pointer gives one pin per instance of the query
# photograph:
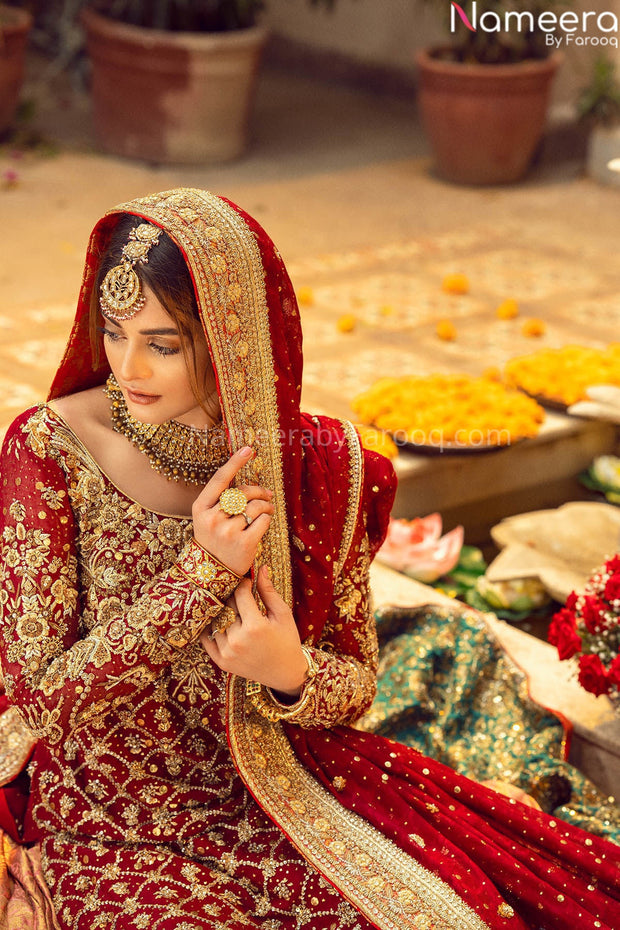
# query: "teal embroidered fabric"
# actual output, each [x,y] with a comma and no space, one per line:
[447,688]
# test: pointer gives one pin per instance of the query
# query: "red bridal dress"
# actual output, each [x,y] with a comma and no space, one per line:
[166,794]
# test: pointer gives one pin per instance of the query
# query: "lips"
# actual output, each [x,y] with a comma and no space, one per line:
[137,398]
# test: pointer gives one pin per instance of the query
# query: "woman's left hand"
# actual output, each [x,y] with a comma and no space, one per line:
[261,647]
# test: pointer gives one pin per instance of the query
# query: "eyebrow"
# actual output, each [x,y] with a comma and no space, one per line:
[145,332]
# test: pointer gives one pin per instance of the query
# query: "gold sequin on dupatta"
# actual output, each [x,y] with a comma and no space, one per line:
[224,259]
[389,887]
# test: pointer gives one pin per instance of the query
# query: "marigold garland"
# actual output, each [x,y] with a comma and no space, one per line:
[589,627]
[563,375]
[449,409]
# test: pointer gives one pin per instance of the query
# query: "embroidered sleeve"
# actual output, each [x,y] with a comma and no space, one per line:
[341,682]
[56,673]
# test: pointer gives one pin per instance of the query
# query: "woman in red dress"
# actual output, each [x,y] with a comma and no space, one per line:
[187,633]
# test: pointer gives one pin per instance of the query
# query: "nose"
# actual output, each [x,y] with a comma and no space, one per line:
[134,365]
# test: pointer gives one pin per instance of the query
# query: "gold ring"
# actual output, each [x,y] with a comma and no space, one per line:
[233,501]
[226,617]
[248,518]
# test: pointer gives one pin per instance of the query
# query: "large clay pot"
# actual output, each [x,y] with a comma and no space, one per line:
[484,122]
[14,28]
[172,96]
[603,158]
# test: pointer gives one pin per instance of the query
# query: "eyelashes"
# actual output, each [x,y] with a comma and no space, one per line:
[160,350]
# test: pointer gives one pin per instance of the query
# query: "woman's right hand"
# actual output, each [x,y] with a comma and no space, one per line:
[231,539]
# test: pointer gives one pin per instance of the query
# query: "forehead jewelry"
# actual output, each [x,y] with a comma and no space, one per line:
[121,295]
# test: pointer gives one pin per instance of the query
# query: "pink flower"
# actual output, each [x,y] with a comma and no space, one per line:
[592,675]
[417,547]
[10,177]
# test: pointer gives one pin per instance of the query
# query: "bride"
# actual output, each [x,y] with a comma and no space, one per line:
[187,632]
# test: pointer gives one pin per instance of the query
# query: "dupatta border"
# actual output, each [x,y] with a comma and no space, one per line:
[384,883]
[225,263]
[356,477]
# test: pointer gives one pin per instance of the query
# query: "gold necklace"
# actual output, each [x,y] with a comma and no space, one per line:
[177,451]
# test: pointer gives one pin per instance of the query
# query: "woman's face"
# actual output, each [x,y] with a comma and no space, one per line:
[147,360]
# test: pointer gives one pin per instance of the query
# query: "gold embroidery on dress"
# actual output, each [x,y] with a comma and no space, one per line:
[386,884]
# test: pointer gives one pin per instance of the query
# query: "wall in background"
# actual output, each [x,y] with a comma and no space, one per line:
[381,36]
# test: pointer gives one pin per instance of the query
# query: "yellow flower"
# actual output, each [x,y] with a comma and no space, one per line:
[449,408]
[386,310]
[346,323]
[446,330]
[455,284]
[376,440]
[534,327]
[305,296]
[563,375]
[507,310]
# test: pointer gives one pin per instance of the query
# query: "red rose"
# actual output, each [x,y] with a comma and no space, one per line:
[614,672]
[613,564]
[563,634]
[571,600]
[592,675]
[612,588]
[592,613]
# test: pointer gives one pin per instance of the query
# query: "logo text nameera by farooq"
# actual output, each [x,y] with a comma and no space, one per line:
[586,27]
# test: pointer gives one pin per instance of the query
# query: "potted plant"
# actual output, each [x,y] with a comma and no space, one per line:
[15,25]
[174,80]
[484,97]
[599,107]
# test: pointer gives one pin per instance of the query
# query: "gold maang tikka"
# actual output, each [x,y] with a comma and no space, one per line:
[121,295]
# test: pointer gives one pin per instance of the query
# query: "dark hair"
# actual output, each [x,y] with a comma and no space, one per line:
[168,277]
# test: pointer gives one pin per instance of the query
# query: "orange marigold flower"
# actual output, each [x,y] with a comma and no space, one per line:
[534,327]
[446,330]
[492,373]
[449,408]
[305,296]
[563,375]
[455,284]
[346,323]
[507,310]
[376,440]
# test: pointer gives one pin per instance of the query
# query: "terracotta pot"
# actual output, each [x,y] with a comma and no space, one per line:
[14,28]
[484,122]
[603,158]
[172,96]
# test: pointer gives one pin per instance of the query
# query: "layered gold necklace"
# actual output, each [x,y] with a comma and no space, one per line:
[177,451]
